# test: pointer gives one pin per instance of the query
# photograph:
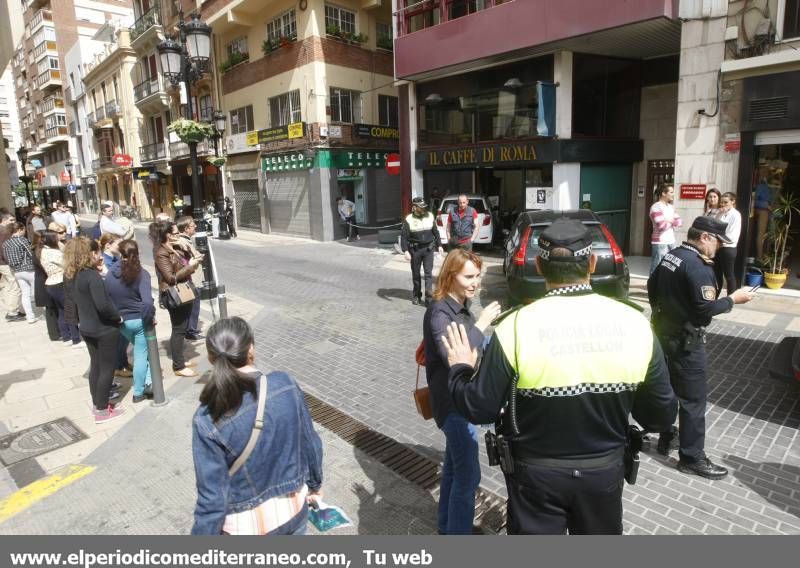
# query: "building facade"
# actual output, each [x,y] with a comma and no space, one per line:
[312,112]
[9,125]
[569,104]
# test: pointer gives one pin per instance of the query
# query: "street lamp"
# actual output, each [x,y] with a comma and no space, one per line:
[68,167]
[219,133]
[22,154]
[186,61]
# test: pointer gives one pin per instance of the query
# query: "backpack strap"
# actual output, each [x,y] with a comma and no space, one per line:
[257,427]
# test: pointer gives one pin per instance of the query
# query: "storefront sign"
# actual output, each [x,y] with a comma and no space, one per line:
[286,162]
[376,131]
[145,173]
[286,132]
[733,143]
[504,154]
[358,159]
[122,160]
[693,191]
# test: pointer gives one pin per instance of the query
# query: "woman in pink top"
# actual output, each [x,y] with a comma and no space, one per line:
[665,220]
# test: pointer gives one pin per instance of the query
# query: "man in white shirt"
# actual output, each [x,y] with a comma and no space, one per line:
[63,216]
[347,212]
[107,223]
[665,220]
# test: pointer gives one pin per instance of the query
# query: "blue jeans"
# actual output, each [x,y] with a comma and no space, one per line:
[461,476]
[657,253]
[194,319]
[133,331]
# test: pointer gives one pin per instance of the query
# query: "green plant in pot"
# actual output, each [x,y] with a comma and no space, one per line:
[778,236]
[190,130]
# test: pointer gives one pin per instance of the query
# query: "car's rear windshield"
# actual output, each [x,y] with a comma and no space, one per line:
[477,204]
[598,238]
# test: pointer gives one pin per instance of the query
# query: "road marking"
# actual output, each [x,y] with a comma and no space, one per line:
[40,489]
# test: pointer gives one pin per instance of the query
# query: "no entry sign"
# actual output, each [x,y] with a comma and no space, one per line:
[393,164]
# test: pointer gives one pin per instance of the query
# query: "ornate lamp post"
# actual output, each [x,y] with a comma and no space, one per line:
[219,133]
[68,167]
[22,154]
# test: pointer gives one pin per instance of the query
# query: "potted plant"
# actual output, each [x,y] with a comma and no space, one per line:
[778,235]
[190,130]
[360,38]
[217,162]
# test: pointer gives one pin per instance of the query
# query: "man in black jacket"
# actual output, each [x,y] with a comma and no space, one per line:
[419,238]
[572,367]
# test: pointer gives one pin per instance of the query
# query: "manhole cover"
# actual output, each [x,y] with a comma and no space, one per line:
[39,440]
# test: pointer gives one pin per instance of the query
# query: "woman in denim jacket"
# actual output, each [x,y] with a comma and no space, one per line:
[271,491]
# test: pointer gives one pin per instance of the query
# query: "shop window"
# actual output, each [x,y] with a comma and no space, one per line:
[284,25]
[339,19]
[387,111]
[791,19]
[606,96]
[242,120]
[345,105]
[285,109]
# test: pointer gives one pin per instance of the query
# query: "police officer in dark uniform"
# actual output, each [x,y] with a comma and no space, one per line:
[569,368]
[682,293]
[419,238]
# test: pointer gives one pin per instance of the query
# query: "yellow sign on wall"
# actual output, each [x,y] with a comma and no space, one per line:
[251,138]
[296,130]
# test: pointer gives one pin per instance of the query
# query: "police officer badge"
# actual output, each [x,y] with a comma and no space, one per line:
[709,292]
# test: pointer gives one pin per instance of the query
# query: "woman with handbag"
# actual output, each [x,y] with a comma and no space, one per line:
[455,288]
[175,287]
[99,323]
[257,458]
[128,284]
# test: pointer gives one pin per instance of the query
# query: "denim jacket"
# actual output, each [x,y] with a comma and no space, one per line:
[287,455]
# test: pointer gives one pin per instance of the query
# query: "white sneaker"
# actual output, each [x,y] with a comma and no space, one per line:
[34,320]
[80,345]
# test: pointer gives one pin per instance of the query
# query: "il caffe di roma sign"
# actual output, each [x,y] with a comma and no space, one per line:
[502,154]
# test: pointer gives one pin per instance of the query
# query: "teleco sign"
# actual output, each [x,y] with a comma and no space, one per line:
[693,191]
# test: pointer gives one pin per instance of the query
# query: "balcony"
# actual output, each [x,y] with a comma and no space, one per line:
[43,47]
[112,109]
[52,104]
[102,162]
[39,18]
[150,97]
[55,132]
[99,114]
[48,79]
[181,149]
[153,152]
[145,31]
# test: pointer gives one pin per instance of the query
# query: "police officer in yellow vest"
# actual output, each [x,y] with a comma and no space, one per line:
[419,238]
[572,367]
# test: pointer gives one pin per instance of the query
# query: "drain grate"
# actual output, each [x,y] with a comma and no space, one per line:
[39,440]
[490,509]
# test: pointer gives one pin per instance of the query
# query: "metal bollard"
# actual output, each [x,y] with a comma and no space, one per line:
[222,302]
[155,365]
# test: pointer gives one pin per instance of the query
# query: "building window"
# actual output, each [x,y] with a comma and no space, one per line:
[383,36]
[206,108]
[345,105]
[242,119]
[421,14]
[387,111]
[239,45]
[284,25]
[339,20]
[791,19]
[284,109]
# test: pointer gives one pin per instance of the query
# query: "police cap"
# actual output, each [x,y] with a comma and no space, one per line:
[712,227]
[569,234]
[419,202]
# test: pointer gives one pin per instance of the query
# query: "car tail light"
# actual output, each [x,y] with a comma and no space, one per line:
[487,219]
[519,257]
[618,256]
[439,221]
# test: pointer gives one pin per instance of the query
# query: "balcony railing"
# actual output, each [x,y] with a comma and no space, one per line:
[51,104]
[150,18]
[48,78]
[44,46]
[112,109]
[102,162]
[179,149]
[153,152]
[53,131]
[145,89]
[99,114]
[39,17]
